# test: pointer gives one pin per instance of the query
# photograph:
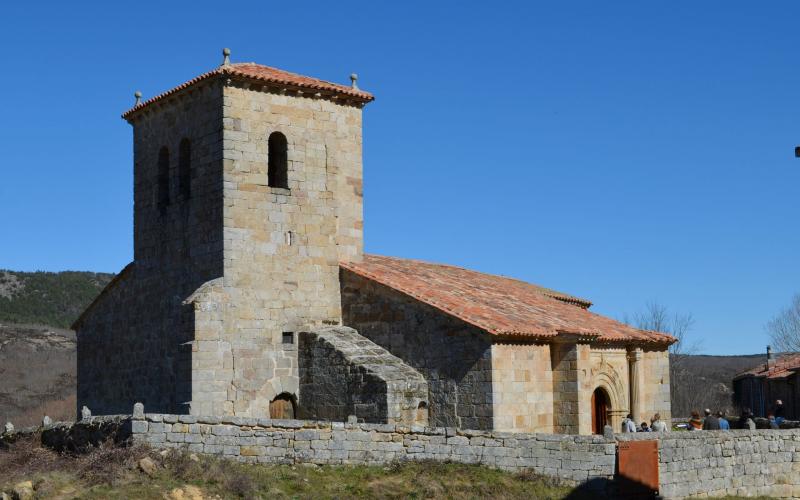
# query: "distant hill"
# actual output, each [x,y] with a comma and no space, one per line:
[37,374]
[53,299]
[37,351]
[705,381]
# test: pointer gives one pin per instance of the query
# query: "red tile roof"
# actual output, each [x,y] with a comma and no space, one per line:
[499,305]
[257,72]
[782,367]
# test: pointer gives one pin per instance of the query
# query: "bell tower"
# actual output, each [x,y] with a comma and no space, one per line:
[291,191]
[247,194]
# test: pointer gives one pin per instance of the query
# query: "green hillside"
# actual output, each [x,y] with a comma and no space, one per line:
[54,299]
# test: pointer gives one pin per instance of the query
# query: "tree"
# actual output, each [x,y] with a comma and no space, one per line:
[656,317]
[784,328]
[684,392]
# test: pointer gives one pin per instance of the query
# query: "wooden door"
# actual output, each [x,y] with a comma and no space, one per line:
[599,410]
[281,408]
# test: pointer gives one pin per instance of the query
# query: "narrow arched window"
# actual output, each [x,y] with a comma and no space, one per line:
[163,179]
[185,169]
[278,164]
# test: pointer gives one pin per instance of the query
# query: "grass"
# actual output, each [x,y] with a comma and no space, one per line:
[110,472]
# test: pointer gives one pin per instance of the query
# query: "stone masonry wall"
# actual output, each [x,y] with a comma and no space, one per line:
[720,463]
[254,440]
[692,464]
[567,400]
[711,463]
[522,384]
[655,385]
[281,246]
[455,358]
[134,342]
[343,374]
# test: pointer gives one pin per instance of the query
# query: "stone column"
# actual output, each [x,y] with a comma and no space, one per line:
[634,356]
[571,394]
[564,359]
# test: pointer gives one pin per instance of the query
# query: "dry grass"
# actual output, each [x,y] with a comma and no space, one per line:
[111,472]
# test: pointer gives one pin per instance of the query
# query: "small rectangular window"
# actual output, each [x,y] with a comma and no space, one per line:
[288,337]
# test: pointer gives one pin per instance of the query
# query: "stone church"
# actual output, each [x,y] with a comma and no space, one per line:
[250,295]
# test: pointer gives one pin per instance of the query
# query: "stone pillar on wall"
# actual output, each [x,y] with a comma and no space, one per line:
[571,411]
[634,376]
[564,359]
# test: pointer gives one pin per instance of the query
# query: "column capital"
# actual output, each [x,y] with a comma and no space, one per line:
[635,354]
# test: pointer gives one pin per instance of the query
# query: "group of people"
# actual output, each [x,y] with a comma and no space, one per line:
[656,425]
[711,421]
[717,421]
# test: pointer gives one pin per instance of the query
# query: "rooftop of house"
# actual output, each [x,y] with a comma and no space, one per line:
[499,305]
[268,76]
[781,367]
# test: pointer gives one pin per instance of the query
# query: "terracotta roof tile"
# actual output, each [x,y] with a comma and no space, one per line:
[499,305]
[782,367]
[267,74]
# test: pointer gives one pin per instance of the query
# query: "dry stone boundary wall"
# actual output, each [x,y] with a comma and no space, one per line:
[692,464]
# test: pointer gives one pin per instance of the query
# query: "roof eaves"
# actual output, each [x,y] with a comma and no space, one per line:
[111,284]
[199,78]
[331,87]
[328,87]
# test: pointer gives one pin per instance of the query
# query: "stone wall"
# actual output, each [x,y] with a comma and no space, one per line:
[576,458]
[344,374]
[720,463]
[522,385]
[454,357]
[568,403]
[134,340]
[655,385]
[691,464]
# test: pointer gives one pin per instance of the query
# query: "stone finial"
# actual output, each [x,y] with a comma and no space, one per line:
[226,56]
[86,413]
[354,81]
[138,411]
[9,428]
[138,96]
[352,419]
[608,432]
[47,421]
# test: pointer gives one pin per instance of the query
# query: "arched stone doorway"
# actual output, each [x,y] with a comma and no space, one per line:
[601,407]
[283,406]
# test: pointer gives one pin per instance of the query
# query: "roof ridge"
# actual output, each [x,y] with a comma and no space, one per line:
[274,68]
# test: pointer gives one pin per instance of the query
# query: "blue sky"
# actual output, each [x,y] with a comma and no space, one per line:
[625,152]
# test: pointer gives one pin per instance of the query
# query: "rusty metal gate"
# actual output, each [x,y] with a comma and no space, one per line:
[637,469]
